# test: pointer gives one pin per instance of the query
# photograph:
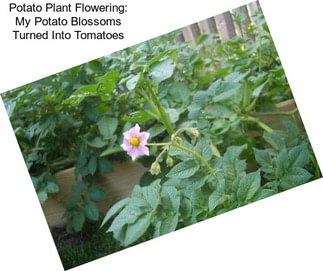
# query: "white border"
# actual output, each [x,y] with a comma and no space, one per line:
[283,232]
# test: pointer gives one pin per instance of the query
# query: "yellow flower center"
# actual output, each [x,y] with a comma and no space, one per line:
[134,141]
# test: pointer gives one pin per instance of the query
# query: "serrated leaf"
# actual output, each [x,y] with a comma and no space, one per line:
[298,156]
[294,177]
[248,186]
[183,170]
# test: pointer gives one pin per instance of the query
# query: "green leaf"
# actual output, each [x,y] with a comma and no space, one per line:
[137,229]
[156,130]
[107,126]
[138,116]
[97,194]
[258,89]
[248,186]
[183,170]
[170,198]
[108,81]
[215,200]
[226,91]
[79,187]
[263,193]
[42,196]
[162,70]
[281,163]
[115,209]
[79,95]
[52,187]
[201,98]
[179,92]
[263,159]
[91,211]
[105,166]
[111,150]
[298,156]
[204,148]
[274,140]
[97,142]
[92,166]
[151,195]
[169,224]
[172,114]
[133,81]
[72,201]
[294,176]
[134,209]
[78,221]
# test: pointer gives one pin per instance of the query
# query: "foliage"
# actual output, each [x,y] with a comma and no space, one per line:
[198,103]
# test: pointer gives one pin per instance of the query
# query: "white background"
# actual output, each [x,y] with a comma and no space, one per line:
[283,232]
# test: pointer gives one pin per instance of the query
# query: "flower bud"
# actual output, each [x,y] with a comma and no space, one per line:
[195,132]
[169,161]
[155,168]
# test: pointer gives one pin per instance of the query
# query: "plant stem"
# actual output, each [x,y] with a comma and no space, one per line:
[276,113]
[197,155]
[260,123]
[162,112]
[158,144]
[153,106]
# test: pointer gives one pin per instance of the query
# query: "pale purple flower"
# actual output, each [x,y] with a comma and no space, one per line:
[134,142]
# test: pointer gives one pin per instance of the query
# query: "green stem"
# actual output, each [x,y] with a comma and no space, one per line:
[288,113]
[197,155]
[161,154]
[162,112]
[260,123]
[153,106]
[158,144]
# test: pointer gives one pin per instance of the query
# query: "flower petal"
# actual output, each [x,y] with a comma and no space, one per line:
[143,136]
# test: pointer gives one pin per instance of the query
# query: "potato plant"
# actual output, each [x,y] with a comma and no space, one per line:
[192,108]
